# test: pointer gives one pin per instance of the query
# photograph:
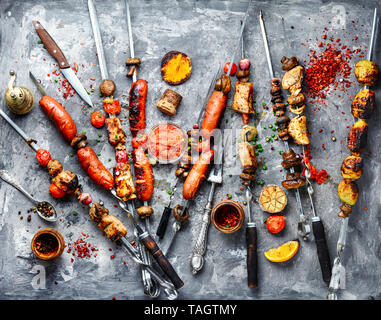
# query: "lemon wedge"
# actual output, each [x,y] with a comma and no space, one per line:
[284,252]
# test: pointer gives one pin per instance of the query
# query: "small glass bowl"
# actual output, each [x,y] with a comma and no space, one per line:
[153,153]
[233,207]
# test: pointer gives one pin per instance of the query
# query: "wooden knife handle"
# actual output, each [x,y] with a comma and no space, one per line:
[164,264]
[252,257]
[51,45]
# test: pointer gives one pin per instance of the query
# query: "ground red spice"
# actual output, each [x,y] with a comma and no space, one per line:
[81,248]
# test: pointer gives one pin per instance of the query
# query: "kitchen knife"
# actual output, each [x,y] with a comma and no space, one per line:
[57,54]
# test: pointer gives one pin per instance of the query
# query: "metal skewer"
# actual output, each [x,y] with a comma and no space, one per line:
[304,228]
[338,270]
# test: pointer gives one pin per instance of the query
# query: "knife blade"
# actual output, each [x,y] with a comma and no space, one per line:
[64,65]
[98,39]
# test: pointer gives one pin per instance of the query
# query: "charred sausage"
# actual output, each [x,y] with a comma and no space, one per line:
[214,110]
[94,168]
[137,106]
[143,174]
[197,175]
[61,118]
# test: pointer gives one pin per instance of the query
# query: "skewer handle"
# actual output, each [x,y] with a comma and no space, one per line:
[322,249]
[163,222]
[164,264]
[252,256]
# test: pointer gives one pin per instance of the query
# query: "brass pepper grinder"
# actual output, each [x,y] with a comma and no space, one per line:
[20,100]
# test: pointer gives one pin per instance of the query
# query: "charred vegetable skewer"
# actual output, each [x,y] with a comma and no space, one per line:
[363,105]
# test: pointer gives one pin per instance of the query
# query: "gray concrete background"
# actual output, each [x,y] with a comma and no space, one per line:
[206,31]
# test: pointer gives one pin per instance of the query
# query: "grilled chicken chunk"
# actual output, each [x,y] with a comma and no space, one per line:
[97,212]
[116,133]
[292,79]
[357,137]
[247,156]
[112,227]
[125,188]
[243,97]
[364,104]
[66,181]
[297,129]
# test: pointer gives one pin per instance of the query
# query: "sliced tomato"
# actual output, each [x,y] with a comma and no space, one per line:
[98,119]
[56,192]
[43,157]
[275,223]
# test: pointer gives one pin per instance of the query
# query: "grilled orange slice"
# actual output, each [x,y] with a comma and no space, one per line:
[273,199]
[176,67]
[284,252]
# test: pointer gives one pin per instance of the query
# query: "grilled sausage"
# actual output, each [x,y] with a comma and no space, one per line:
[214,110]
[137,106]
[61,118]
[94,168]
[143,174]
[197,175]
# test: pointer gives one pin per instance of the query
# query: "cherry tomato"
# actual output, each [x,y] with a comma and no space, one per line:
[112,106]
[56,192]
[275,224]
[233,70]
[43,157]
[98,119]
[321,176]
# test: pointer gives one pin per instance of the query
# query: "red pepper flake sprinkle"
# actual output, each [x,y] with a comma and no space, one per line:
[81,248]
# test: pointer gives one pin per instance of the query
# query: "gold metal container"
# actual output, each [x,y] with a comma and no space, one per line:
[20,100]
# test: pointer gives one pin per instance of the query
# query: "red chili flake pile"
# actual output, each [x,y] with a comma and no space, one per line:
[81,248]
[320,176]
[64,85]
[329,69]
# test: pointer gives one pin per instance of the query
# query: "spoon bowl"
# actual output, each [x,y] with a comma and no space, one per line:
[44,209]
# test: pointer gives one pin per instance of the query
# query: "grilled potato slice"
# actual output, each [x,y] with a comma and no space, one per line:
[364,104]
[273,199]
[348,191]
[352,167]
[297,129]
[366,72]
[357,137]
[176,67]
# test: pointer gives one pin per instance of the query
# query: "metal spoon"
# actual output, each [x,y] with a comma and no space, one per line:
[4,175]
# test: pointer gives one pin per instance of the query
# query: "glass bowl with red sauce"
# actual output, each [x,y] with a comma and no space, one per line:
[228,216]
[48,244]
[167,142]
